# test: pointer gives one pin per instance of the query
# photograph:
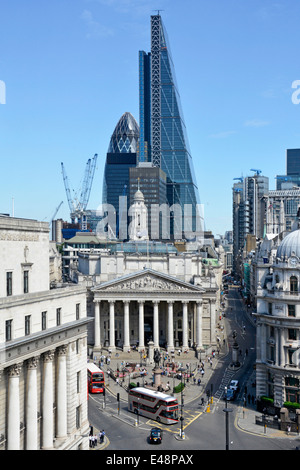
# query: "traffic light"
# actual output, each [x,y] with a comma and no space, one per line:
[118,396]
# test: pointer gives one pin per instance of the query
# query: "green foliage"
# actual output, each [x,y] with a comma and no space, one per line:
[132,385]
[178,388]
[291,405]
[267,400]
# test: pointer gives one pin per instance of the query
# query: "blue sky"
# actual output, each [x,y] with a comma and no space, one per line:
[70,68]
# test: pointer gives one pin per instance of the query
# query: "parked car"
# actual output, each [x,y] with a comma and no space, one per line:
[155,436]
[234,385]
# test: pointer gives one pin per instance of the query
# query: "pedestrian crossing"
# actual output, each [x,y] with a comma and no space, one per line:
[189,417]
[227,377]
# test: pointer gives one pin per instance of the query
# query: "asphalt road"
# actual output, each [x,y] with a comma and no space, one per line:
[203,431]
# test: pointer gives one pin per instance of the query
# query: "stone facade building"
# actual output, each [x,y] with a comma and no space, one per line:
[149,291]
[278,322]
[43,346]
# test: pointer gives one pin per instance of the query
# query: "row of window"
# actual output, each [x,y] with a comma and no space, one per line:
[9,282]
[28,323]
[291,309]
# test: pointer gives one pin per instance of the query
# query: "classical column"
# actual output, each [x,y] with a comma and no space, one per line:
[126,345]
[170,325]
[185,304]
[155,324]
[258,341]
[282,349]
[199,324]
[276,347]
[112,324]
[61,415]
[213,321]
[97,338]
[31,406]
[13,410]
[263,343]
[141,325]
[47,401]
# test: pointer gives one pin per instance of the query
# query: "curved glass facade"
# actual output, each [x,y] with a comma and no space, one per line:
[120,157]
[125,136]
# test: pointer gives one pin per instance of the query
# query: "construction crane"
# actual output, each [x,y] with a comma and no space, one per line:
[241,179]
[78,207]
[56,211]
[258,172]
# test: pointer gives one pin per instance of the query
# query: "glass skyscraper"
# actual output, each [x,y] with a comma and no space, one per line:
[121,156]
[163,138]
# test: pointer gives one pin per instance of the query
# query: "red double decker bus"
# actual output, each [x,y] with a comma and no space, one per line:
[155,405]
[95,378]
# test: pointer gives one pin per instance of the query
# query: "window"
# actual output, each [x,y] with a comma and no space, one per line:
[292,334]
[291,310]
[9,283]
[78,382]
[44,320]
[292,394]
[77,311]
[293,284]
[78,417]
[270,308]
[291,358]
[58,316]
[8,330]
[27,324]
[26,282]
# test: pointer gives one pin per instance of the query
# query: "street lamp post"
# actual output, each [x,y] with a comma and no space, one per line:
[181,369]
[227,411]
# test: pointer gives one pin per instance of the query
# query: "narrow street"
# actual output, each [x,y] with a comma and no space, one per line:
[204,426]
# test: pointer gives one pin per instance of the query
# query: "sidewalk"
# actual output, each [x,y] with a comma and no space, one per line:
[245,416]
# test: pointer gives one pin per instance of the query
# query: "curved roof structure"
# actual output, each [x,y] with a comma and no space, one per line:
[125,136]
[290,245]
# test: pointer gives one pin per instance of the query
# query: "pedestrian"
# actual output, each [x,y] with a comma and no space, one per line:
[288,429]
[199,382]
[100,437]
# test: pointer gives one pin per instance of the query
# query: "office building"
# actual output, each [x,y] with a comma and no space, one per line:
[249,214]
[151,181]
[121,155]
[277,320]
[43,346]
[292,176]
[163,137]
[293,162]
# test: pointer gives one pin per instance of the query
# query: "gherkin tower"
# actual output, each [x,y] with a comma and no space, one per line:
[121,156]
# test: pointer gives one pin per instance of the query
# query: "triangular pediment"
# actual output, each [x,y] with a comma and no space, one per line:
[147,280]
